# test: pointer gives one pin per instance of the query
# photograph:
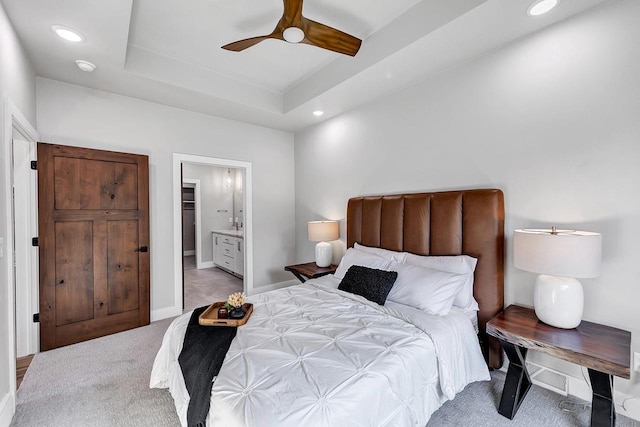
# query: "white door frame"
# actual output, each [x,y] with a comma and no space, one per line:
[11,118]
[178,160]
[198,218]
[25,208]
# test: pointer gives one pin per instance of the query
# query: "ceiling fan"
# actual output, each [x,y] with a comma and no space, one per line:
[295,28]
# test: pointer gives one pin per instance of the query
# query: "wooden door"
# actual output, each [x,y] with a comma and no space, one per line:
[93,209]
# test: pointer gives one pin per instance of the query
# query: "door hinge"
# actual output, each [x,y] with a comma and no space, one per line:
[36,318]
[35,241]
[34,165]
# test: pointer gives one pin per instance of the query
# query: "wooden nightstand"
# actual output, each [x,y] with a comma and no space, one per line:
[604,350]
[310,270]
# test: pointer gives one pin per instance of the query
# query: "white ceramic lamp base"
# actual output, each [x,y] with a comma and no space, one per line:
[558,301]
[324,254]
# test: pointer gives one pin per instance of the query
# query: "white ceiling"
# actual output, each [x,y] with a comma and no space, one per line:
[168,51]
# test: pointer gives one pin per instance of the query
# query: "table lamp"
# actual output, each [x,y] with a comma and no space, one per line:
[561,257]
[323,232]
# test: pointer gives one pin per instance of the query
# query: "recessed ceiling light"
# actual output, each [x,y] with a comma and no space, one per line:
[85,65]
[293,35]
[541,7]
[318,113]
[67,33]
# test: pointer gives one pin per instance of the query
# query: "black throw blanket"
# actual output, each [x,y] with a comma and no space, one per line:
[201,358]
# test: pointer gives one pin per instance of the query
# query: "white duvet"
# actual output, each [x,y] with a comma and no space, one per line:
[312,355]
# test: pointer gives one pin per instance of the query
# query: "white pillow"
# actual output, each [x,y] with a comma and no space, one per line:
[356,257]
[427,289]
[458,264]
[384,253]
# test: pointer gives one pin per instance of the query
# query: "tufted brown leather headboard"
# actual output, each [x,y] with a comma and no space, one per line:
[467,222]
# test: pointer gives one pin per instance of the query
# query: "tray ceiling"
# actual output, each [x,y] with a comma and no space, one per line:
[168,51]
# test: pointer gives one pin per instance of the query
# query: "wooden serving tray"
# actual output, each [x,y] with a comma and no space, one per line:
[210,316]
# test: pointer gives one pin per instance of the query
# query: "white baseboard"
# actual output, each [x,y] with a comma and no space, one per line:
[189,253]
[165,313]
[206,264]
[273,287]
[7,409]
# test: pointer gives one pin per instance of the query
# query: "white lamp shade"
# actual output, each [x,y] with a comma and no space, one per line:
[323,231]
[575,254]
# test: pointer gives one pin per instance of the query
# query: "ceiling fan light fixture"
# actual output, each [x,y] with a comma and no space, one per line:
[85,66]
[293,35]
[540,7]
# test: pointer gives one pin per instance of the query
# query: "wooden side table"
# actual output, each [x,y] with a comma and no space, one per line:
[604,350]
[310,270]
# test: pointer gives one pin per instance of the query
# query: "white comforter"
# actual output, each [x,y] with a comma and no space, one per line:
[312,355]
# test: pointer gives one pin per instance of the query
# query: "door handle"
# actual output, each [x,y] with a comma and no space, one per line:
[143,249]
[239,249]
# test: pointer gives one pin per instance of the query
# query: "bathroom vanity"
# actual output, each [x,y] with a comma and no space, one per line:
[228,251]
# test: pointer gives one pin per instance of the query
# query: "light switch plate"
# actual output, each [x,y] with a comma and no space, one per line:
[636,361]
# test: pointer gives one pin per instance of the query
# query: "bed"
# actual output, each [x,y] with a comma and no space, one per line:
[313,354]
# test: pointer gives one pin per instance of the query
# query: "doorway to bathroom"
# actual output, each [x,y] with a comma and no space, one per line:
[214,238]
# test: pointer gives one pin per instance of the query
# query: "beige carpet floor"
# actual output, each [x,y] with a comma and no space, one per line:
[98,383]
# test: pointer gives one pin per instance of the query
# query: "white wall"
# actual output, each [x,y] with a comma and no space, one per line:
[77,116]
[17,85]
[552,119]
[17,78]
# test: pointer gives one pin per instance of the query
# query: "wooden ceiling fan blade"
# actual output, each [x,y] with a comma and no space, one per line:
[247,43]
[292,15]
[326,37]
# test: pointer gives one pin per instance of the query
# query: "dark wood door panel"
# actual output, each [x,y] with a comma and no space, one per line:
[82,331]
[100,307]
[93,217]
[74,272]
[94,184]
[82,184]
[125,186]
[122,266]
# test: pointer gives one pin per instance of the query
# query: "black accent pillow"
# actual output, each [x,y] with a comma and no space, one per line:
[367,282]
